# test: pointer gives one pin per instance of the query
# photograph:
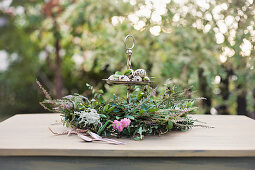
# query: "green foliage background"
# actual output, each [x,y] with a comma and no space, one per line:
[66,44]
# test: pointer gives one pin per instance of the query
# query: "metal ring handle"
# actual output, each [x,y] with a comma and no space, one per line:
[132,44]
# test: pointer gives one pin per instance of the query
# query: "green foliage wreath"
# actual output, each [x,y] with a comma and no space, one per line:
[147,112]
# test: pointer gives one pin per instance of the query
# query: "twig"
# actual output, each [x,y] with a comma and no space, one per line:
[47,95]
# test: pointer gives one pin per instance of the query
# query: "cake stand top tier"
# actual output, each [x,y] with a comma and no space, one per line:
[129,53]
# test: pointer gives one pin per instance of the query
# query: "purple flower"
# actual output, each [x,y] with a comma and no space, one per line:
[69,96]
[74,105]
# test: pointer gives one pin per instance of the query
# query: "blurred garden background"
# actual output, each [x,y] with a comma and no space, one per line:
[206,44]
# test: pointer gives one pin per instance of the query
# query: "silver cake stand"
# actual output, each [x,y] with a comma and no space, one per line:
[128,83]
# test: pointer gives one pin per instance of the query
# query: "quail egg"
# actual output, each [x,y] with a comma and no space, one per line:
[123,78]
[136,78]
[113,78]
[140,72]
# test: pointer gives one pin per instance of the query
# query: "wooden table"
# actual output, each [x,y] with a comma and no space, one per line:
[26,142]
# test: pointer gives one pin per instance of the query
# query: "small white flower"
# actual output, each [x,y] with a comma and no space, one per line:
[90,116]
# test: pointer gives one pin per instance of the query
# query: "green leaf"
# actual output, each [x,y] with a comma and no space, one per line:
[95,95]
[103,116]
[118,73]
[103,127]
[101,99]
[144,107]
[109,126]
[170,125]
[127,72]
[116,110]
[140,95]
[137,138]
[106,108]
[101,91]
[140,131]
[111,109]
[141,111]
[152,110]
[130,117]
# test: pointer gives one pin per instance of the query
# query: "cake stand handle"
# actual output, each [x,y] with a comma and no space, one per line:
[129,50]
[129,53]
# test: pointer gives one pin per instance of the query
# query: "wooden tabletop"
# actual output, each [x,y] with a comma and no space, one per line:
[28,135]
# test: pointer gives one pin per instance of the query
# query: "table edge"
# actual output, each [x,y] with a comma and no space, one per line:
[127,153]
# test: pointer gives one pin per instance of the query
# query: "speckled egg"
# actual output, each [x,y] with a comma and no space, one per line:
[123,78]
[140,72]
[113,78]
[146,78]
[136,78]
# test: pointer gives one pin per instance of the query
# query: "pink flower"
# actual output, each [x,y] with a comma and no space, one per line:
[125,122]
[120,125]
[67,106]
[117,125]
